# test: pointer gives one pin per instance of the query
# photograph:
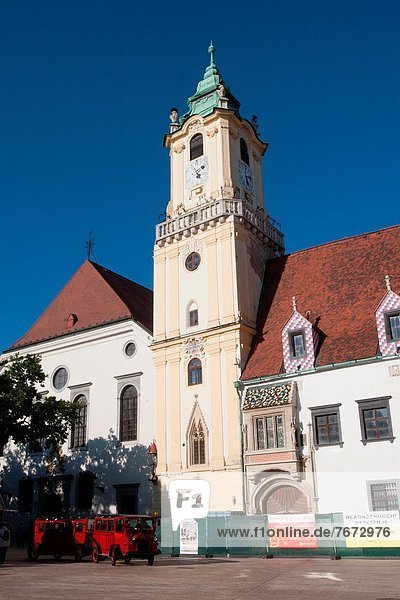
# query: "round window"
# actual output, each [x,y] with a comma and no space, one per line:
[192,261]
[60,378]
[130,349]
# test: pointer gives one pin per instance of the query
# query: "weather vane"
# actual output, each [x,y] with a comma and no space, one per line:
[89,246]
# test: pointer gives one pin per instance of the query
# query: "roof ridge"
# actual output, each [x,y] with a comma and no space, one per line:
[98,266]
[333,242]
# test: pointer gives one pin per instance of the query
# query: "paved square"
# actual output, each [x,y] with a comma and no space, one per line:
[197,578]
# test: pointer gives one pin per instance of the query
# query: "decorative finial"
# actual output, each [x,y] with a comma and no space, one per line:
[388,286]
[211,50]
[294,303]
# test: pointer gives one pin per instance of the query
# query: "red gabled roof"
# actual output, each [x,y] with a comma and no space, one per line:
[96,296]
[342,284]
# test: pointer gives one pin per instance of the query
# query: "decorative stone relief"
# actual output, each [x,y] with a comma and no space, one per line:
[193,348]
[212,131]
[193,245]
[196,125]
[234,133]
[178,148]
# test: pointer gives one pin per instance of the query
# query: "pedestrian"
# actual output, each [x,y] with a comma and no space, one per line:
[20,535]
[4,541]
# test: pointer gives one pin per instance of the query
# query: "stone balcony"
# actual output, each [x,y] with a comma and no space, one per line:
[218,211]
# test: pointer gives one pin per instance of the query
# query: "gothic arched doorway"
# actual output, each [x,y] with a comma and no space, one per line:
[285,499]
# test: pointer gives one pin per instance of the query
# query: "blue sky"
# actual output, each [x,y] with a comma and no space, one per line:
[86,89]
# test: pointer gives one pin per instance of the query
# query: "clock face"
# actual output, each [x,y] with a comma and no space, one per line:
[246,177]
[196,171]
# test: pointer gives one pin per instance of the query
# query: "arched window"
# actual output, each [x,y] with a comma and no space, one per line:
[196,146]
[84,491]
[244,153]
[128,414]
[195,372]
[78,431]
[193,315]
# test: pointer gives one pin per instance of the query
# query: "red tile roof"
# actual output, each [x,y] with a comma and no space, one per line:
[342,284]
[96,296]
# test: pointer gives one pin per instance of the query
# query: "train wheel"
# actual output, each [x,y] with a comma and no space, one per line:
[114,557]
[150,560]
[33,554]
[95,555]
[57,556]
[127,559]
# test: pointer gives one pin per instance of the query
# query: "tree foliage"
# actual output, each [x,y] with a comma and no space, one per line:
[26,415]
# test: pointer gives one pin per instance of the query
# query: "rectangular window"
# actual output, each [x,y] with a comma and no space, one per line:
[297,344]
[384,495]
[326,425]
[375,419]
[269,432]
[393,326]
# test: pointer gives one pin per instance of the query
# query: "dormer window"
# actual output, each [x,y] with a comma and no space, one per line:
[388,321]
[244,153]
[392,322]
[196,146]
[297,344]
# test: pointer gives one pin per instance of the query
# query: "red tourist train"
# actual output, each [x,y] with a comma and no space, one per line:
[119,537]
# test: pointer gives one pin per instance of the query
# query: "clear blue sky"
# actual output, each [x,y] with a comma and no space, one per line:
[86,88]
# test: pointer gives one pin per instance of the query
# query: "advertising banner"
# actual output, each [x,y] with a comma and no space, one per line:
[291,531]
[380,529]
[189,537]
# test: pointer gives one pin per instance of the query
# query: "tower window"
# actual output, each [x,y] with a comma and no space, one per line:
[195,372]
[196,146]
[128,414]
[244,153]
[192,261]
[193,315]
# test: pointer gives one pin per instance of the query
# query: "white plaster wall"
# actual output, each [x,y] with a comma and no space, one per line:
[97,357]
[344,471]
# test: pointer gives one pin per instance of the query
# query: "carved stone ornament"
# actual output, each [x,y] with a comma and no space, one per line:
[196,125]
[234,133]
[256,156]
[178,148]
[193,348]
[212,131]
[193,245]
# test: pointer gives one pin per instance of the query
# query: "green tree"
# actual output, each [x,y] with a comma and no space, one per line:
[25,414]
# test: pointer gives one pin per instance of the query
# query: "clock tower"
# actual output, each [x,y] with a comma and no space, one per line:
[209,260]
